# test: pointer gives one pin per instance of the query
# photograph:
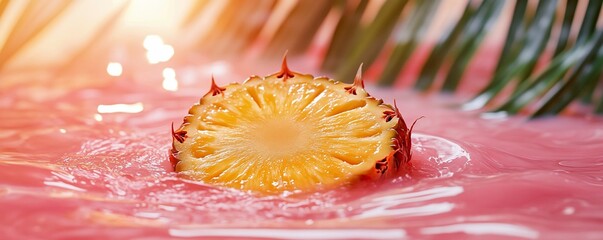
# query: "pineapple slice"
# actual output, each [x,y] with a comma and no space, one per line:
[289,132]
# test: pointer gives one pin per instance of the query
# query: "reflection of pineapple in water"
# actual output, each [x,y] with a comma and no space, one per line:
[290,131]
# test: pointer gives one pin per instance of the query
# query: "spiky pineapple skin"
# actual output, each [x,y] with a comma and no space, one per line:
[400,134]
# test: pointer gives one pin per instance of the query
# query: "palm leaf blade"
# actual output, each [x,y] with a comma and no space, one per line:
[372,39]
[411,32]
[436,58]
[476,30]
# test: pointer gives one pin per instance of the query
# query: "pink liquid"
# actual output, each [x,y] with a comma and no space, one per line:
[67,173]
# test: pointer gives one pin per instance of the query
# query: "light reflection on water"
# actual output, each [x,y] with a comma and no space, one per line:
[292,233]
[441,154]
[425,210]
[414,196]
[63,185]
[157,50]
[501,229]
[169,80]
[114,69]
[120,108]
[105,175]
[396,205]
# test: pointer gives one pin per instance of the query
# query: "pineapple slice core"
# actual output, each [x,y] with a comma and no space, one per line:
[273,135]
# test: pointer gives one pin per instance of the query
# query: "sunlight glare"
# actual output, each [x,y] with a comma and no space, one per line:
[114,69]
[157,50]
[120,108]
[152,41]
[169,80]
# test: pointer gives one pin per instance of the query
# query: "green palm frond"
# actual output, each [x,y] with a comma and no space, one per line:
[369,41]
[524,54]
[468,44]
[440,51]
[409,35]
[348,25]
[550,58]
[573,71]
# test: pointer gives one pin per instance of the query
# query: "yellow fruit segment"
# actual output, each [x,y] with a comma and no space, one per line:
[285,133]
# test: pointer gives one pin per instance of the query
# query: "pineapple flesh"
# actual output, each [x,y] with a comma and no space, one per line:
[289,132]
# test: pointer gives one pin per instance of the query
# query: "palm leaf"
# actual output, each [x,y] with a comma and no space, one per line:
[410,33]
[568,19]
[567,91]
[587,28]
[436,58]
[35,18]
[294,35]
[514,33]
[347,27]
[392,37]
[3,5]
[535,39]
[532,88]
[472,37]
[370,41]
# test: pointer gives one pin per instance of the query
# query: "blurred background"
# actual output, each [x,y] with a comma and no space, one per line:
[533,57]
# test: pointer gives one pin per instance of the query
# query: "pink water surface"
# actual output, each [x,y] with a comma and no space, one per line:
[68,172]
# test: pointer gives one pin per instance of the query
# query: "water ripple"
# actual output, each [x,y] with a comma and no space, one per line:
[503,229]
[391,204]
[307,234]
